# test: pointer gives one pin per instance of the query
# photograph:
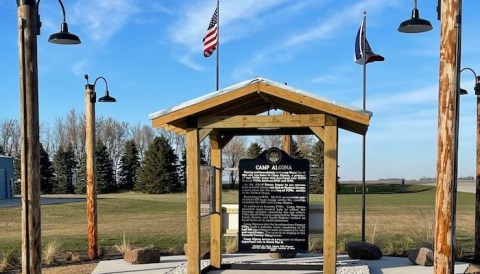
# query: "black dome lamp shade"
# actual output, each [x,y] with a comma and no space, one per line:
[415,24]
[64,37]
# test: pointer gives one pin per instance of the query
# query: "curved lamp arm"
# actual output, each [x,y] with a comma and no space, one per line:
[107,98]
[477,80]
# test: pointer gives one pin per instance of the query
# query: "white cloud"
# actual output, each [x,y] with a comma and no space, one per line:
[80,67]
[103,19]
[326,28]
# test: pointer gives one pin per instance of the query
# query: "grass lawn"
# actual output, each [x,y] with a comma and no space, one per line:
[395,221]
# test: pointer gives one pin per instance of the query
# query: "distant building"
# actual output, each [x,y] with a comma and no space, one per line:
[6,177]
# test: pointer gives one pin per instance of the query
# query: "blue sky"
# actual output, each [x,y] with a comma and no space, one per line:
[150,51]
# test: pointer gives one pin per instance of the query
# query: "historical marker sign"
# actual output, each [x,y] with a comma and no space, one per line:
[273,208]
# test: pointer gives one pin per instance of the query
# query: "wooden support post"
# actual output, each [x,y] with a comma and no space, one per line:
[330,200]
[446,151]
[287,140]
[193,200]
[216,218]
[92,231]
[30,137]
[476,251]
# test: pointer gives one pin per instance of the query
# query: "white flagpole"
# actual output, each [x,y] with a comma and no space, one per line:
[363,51]
[218,44]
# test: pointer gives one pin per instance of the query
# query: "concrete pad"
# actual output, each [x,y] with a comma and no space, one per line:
[386,265]
[400,265]
[120,266]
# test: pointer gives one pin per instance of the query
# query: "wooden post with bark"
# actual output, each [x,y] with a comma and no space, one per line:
[92,230]
[446,151]
[476,251]
[30,137]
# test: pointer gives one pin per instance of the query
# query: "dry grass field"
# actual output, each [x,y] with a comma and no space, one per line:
[396,220]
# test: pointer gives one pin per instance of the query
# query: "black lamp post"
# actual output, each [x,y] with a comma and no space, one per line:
[28,29]
[90,100]
[476,249]
[447,134]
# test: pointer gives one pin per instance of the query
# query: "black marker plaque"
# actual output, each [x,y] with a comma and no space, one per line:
[273,208]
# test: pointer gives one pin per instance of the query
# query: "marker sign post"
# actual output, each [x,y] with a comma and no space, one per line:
[273,207]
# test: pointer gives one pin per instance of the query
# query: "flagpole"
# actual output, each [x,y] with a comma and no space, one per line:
[218,44]
[364,108]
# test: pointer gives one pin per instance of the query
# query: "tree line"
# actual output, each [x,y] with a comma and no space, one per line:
[135,157]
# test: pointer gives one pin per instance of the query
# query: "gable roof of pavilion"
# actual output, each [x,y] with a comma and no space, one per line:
[260,96]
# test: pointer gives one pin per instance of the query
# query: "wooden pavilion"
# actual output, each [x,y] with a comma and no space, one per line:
[244,109]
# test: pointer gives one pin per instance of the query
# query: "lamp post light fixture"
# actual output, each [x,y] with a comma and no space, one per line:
[476,249]
[448,105]
[415,24]
[90,100]
[28,28]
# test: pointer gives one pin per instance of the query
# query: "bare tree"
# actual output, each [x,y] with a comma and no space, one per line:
[142,135]
[113,134]
[233,152]
[305,144]
[69,131]
[268,141]
[10,136]
[47,137]
[176,141]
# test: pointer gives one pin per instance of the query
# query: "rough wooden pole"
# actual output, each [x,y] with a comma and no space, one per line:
[193,199]
[216,218]
[476,252]
[92,230]
[446,152]
[30,140]
[330,200]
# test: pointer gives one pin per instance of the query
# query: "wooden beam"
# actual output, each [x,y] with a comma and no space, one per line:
[193,201]
[287,139]
[330,200]
[204,133]
[319,132]
[335,110]
[216,218]
[203,105]
[262,121]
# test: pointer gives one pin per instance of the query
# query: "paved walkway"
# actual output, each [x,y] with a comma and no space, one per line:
[386,265]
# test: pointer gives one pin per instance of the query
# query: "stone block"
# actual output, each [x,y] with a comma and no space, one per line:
[142,256]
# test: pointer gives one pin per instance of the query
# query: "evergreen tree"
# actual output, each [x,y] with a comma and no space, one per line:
[81,177]
[104,169]
[296,153]
[316,180]
[254,150]
[158,172]
[129,164]
[182,170]
[65,165]
[47,176]
[2,150]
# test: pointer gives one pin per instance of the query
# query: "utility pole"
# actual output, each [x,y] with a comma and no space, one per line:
[92,228]
[446,139]
[30,137]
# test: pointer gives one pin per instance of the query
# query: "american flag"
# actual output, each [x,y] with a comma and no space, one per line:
[211,38]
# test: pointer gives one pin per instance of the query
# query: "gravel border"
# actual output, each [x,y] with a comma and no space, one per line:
[343,269]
